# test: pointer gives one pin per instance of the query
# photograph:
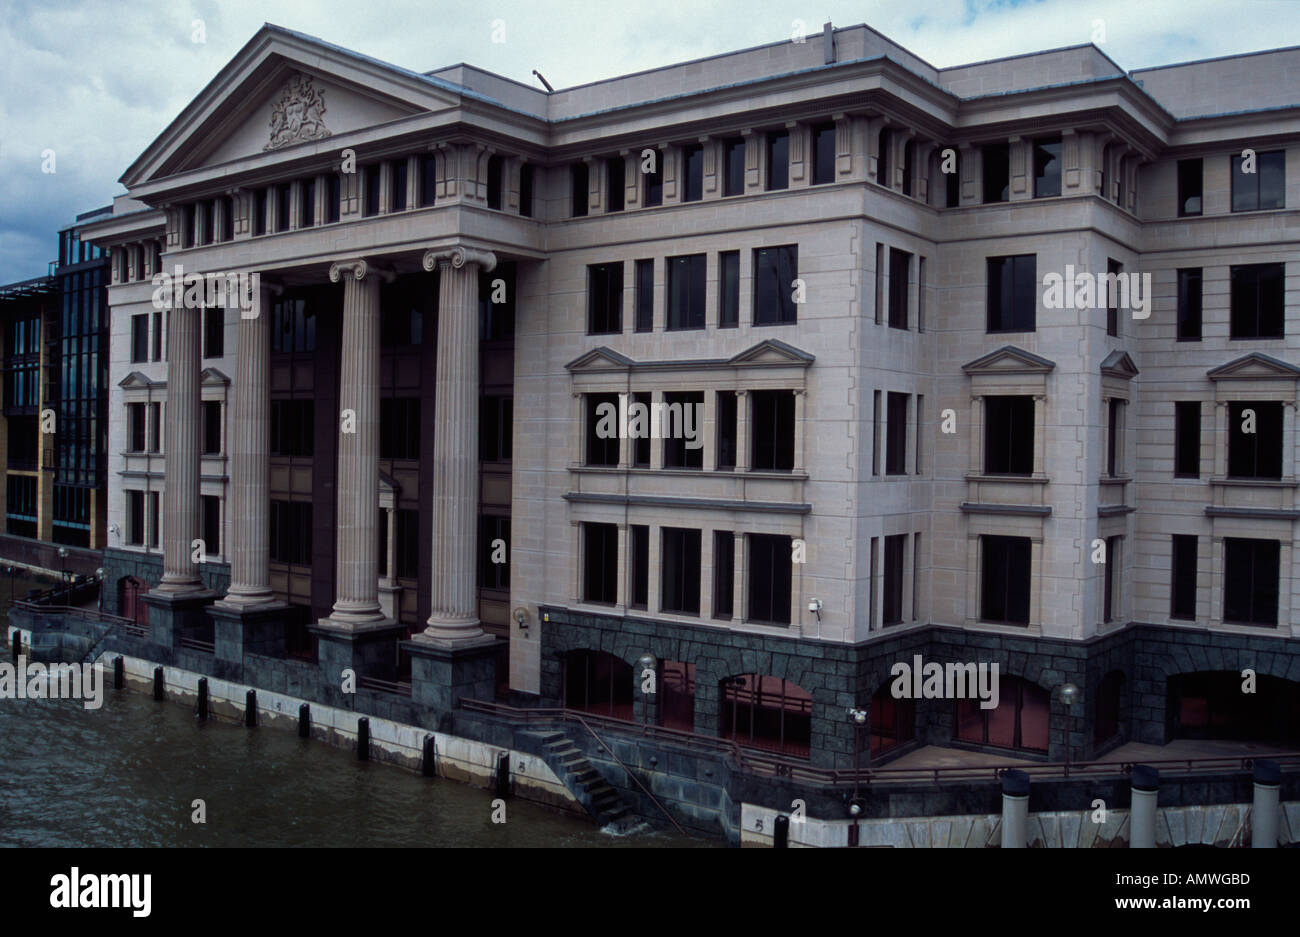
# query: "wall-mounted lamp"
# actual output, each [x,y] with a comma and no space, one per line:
[521,618]
[815,606]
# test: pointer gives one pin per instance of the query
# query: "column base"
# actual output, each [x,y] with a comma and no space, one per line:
[457,632]
[254,629]
[174,615]
[368,649]
[443,673]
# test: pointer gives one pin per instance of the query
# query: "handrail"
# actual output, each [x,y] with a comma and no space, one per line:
[396,687]
[74,610]
[628,772]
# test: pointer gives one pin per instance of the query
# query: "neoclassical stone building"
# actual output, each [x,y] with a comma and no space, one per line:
[834,254]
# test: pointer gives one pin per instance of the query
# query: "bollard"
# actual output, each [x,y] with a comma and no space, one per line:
[1142,818]
[503,774]
[203,699]
[250,709]
[16,641]
[304,721]
[781,831]
[1264,813]
[363,739]
[429,762]
[158,684]
[854,833]
[1015,809]
[119,673]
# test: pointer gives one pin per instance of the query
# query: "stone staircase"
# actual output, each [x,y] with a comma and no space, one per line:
[584,782]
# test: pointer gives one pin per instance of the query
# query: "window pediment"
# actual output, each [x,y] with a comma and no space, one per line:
[1255,366]
[1118,364]
[769,353]
[1009,360]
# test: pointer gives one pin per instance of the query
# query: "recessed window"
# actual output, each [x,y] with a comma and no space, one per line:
[775,270]
[496,422]
[333,195]
[1110,602]
[823,142]
[1047,167]
[428,180]
[604,298]
[900,271]
[492,575]
[291,532]
[692,172]
[733,159]
[1114,270]
[495,172]
[729,289]
[615,179]
[1250,581]
[724,573]
[1187,439]
[997,172]
[677,695]
[1258,308]
[773,430]
[399,428]
[526,190]
[134,513]
[686,289]
[154,515]
[682,425]
[214,332]
[212,427]
[370,203]
[1255,439]
[600,563]
[893,721]
[895,548]
[769,579]
[283,201]
[135,427]
[896,434]
[766,712]
[679,571]
[307,203]
[397,175]
[882,159]
[1004,580]
[909,153]
[580,180]
[1009,435]
[1191,182]
[260,208]
[654,180]
[1182,587]
[157,336]
[1189,304]
[1020,720]
[1012,293]
[727,411]
[226,209]
[292,427]
[602,429]
[641,444]
[211,507]
[1114,438]
[638,543]
[778,160]
[188,220]
[1263,188]
[139,338]
[155,427]
[952,180]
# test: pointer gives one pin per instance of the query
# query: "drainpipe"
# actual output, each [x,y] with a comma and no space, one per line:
[1015,809]
[1263,815]
[1142,819]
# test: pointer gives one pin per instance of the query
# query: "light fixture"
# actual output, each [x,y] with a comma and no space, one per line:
[859,716]
[521,617]
[815,606]
[1069,694]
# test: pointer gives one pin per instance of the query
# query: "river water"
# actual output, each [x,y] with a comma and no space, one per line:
[128,773]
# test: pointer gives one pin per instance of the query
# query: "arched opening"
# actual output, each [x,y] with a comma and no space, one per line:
[1221,705]
[1020,720]
[129,602]
[1105,724]
[893,721]
[598,683]
[767,712]
[677,695]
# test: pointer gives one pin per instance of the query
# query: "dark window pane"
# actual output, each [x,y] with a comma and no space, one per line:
[600,563]
[333,193]
[604,298]
[1182,589]
[773,430]
[727,411]
[1255,439]
[645,295]
[1012,293]
[1189,304]
[997,172]
[602,429]
[769,579]
[823,138]
[895,545]
[495,170]
[680,570]
[428,180]
[682,426]
[775,270]
[615,180]
[693,172]
[900,268]
[896,434]
[729,289]
[1257,301]
[307,203]
[724,568]
[526,190]
[778,160]
[654,180]
[580,182]
[1004,579]
[1187,439]
[1191,179]
[733,157]
[1009,435]
[1047,167]
[639,545]
[641,442]
[686,290]
[1250,581]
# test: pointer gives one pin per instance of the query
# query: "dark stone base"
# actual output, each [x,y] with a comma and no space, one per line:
[173,616]
[367,650]
[237,631]
[442,676]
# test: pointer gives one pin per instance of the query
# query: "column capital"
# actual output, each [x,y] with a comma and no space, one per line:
[358,268]
[457,257]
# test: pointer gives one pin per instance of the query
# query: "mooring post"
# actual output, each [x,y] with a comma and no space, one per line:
[1015,810]
[1142,815]
[119,672]
[429,763]
[158,684]
[363,739]
[1264,813]
[250,709]
[203,698]
[304,721]
[16,642]
[781,832]
[503,774]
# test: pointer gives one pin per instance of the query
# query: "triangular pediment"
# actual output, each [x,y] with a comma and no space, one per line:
[286,93]
[1119,364]
[600,359]
[211,376]
[1254,366]
[1009,360]
[137,380]
[772,352]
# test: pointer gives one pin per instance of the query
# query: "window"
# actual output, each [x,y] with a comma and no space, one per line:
[292,424]
[900,269]
[1004,580]
[727,411]
[895,546]
[579,177]
[724,573]
[1263,188]
[140,338]
[686,286]
[680,571]
[767,712]
[495,170]
[20,505]
[1257,301]
[283,199]
[896,434]
[226,207]
[307,203]
[1250,581]
[399,428]
[641,444]
[491,528]
[997,172]
[1114,270]
[154,514]
[1047,167]
[397,178]
[682,425]
[211,526]
[526,190]
[407,544]
[157,336]
[1255,439]
[654,180]
[1111,579]
[778,160]
[733,164]
[370,204]
[876,423]
[333,196]
[1189,304]
[1009,435]
[602,429]
[495,426]
[600,563]
[211,427]
[769,579]
[883,176]
[639,562]
[677,695]
[823,143]
[1114,438]
[496,319]
[909,154]
[692,172]
[155,427]
[291,532]
[597,682]
[775,270]
[1012,293]
[1191,180]
[1020,720]
[135,427]
[1182,587]
[134,518]
[893,721]
[729,289]
[214,332]
[260,207]
[1187,439]
[428,180]
[383,542]
[952,182]
[615,179]
[187,235]
[645,295]
[604,298]
[773,430]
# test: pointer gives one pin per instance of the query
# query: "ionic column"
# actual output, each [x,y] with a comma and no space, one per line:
[356,562]
[181,467]
[250,455]
[454,614]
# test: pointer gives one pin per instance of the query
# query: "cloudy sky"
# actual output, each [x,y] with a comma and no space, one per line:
[95,81]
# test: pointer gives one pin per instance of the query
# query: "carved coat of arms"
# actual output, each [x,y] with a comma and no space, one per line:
[298,115]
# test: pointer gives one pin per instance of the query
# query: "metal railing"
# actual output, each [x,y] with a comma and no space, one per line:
[397,688]
[198,644]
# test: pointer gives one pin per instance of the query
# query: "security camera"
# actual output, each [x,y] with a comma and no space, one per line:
[814,605]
